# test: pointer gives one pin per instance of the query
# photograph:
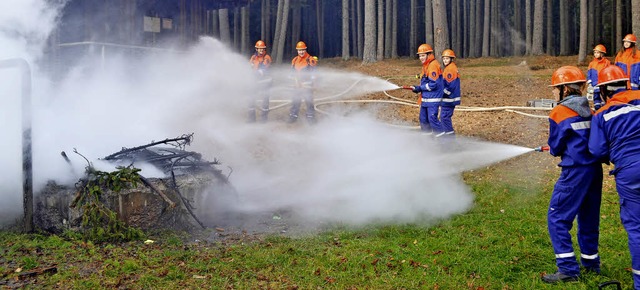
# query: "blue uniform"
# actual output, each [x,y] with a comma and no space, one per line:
[595,66]
[450,97]
[431,92]
[615,136]
[578,191]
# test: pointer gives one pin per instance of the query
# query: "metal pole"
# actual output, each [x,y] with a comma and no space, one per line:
[27,174]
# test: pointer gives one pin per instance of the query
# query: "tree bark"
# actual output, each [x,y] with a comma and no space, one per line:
[369,52]
[538,13]
[225,33]
[440,27]
[487,26]
[276,36]
[244,43]
[296,23]
[354,32]
[564,28]
[413,23]
[215,24]
[345,29]
[387,28]
[428,21]
[380,45]
[618,24]
[582,52]
[549,44]
[359,28]
[283,30]
[472,33]
[528,31]
[320,27]
[394,30]
[236,28]
[455,23]
[465,29]
[494,35]
[635,17]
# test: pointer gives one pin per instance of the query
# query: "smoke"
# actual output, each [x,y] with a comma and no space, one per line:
[353,170]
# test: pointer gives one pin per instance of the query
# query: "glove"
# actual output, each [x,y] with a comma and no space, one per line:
[597,106]
[415,90]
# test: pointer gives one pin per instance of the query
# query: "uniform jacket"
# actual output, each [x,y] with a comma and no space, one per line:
[569,124]
[303,66]
[615,131]
[260,62]
[451,91]
[629,61]
[430,83]
[595,66]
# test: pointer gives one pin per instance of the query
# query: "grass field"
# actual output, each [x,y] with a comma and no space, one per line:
[501,243]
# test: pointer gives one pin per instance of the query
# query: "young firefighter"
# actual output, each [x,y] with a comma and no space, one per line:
[260,62]
[595,66]
[578,191]
[431,90]
[451,92]
[615,137]
[303,67]
[628,59]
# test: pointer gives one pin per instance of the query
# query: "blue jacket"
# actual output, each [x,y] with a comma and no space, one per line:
[431,83]
[615,130]
[569,124]
[451,91]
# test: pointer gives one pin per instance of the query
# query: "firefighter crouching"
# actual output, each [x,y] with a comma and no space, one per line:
[260,62]
[303,68]
[430,90]
[451,92]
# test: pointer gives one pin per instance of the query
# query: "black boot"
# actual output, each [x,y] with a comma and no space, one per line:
[558,277]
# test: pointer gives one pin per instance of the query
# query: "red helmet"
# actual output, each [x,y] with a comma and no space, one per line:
[424,48]
[600,48]
[611,74]
[449,53]
[630,38]
[260,44]
[301,45]
[567,75]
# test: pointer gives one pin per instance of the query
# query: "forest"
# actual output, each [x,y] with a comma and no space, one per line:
[373,30]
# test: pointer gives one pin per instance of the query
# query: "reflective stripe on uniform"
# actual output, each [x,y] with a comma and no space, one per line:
[446,92]
[581,125]
[635,272]
[624,110]
[565,255]
[589,257]
[634,85]
[451,100]
[429,100]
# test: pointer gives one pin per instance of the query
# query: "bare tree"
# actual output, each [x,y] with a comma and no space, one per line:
[276,36]
[440,27]
[265,24]
[549,18]
[538,13]
[479,31]
[487,25]
[618,24]
[428,21]
[369,52]
[359,28]
[225,33]
[413,23]
[283,30]
[244,43]
[582,52]
[380,53]
[387,28]
[394,30]
[215,24]
[345,29]
[236,28]
[470,27]
[320,27]
[528,31]
[635,16]
[296,22]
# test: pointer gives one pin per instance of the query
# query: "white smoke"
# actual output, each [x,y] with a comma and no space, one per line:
[353,170]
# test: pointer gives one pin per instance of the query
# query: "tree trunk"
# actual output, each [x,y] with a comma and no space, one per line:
[538,13]
[564,28]
[479,29]
[465,28]
[618,24]
[591,37]
[276,36]
[320,27]
[264,20]
[487,26]
[296,23]
[215,24]
[582,52]
[528,31]
[394,30]
[225,33]
[359,28]
[283,29]
[455,23]
[494,35]
[244,43]
[635,16]
[472,33]
[440,27]
[413,24]
[428,21]
[387,29]
[236,28]
[369,52]
[549,44]
[380,52]
[345,29]
[354,30]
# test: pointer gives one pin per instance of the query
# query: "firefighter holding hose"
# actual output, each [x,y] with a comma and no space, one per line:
[260,62]
[303,68]
[430,90]
[578,191]
[615,137]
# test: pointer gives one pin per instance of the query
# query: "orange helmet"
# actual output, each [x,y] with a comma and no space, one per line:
[260,44]
[567,75]
[600,48]
[449,53]
[630,38]
[611,74]
[301,45]
[424,48]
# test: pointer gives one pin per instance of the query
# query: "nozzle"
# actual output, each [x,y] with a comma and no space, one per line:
[407,87]
[542,148]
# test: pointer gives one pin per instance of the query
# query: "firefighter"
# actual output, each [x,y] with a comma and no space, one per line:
[595,66]
[431,90]
[628,59]
[260,62]
[578,191]
[303,68]
[615,137]
[451,92]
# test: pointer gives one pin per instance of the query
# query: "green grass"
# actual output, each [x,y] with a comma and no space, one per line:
[501,243]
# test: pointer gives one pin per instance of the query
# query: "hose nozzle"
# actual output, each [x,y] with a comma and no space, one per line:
[407,87]
[542,148]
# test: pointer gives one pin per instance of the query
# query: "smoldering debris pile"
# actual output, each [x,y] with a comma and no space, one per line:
[193,194]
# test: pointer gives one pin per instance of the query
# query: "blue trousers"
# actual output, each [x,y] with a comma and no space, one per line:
[578,192]
[429,119]
[446,112]
[628,187]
